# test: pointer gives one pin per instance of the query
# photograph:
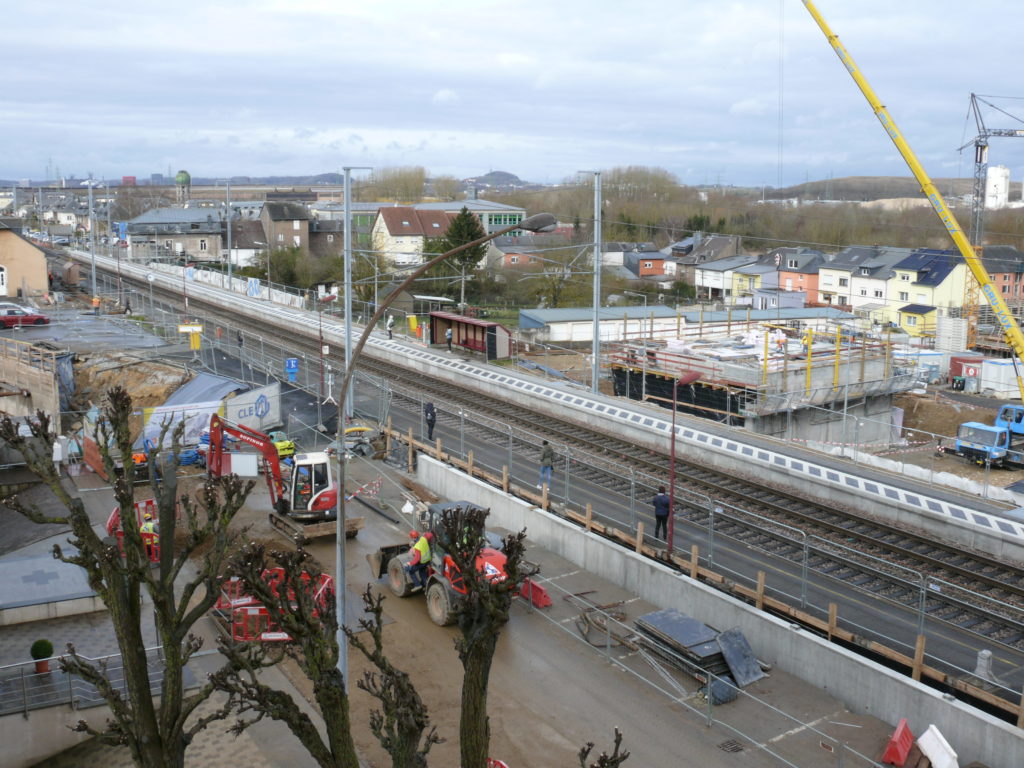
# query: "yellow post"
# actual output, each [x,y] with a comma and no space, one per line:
[764,362]
[694,561]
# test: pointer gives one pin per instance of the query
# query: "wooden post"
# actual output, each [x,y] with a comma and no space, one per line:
[504,479]
[833,615]
[760,591]
[544,496]
[411,453]
[437,449]
[918,658]
[1020,713]
[640,536]
[590,516]
[694,561]
[387,437]
[469,463]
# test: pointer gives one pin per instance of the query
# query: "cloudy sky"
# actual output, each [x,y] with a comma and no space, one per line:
[540,89]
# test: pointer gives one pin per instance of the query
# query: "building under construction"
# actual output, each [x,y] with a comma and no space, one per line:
[827,387]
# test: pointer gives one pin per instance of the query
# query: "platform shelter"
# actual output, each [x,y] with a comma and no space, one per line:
[493,340]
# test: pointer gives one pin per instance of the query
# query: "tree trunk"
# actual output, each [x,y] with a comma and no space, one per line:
[474,727]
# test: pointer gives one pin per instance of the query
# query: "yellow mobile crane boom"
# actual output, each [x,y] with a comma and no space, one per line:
[1011,330]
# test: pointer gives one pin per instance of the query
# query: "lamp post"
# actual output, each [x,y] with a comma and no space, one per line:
[92,240]
[323,351]
[540,222]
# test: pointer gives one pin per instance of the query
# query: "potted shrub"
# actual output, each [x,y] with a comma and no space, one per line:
[41,651]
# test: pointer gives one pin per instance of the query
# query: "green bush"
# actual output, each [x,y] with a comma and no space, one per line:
[42,649]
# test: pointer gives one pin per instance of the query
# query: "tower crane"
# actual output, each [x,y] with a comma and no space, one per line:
[980,143]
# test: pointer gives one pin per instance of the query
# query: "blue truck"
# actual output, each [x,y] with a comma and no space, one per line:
[999,445]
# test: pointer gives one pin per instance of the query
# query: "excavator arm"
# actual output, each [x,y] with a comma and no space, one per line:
[1011,329]
[272,462]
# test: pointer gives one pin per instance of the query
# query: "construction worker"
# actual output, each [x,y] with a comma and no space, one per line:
[420,560]
[151,535]
[95,305]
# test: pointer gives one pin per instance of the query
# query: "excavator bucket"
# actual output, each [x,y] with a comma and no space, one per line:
[535,593]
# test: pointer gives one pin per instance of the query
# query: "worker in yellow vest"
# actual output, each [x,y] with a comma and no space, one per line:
[420,560]
[151,537]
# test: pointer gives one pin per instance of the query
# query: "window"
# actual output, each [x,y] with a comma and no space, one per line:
[513,259]
[295,224]
[863,291]
[904,296]
[905,277]
[297,241]
[1005,288]
[800,278]
[920,298]
[865,271]
[648,265]
[167,244]
[843,282]
[792,264]
[878,294]
[1006,278]
[280,237]
[330,238]
[436,225]
[202,245]
[911,320]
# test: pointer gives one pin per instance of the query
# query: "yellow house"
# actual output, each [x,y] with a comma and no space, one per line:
[924,286]
[22,266]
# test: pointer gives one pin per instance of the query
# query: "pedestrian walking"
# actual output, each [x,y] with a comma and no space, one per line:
[448,338]
[430,416]
[547,464]
[662,507]
[417,567]
[390,326]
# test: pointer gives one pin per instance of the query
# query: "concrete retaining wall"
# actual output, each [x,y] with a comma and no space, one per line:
[862,685]
[42,733]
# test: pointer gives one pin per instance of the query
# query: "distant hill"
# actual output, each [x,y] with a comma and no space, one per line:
[861,188]
[497,179]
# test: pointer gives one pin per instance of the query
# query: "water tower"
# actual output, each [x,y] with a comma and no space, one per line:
[183,186]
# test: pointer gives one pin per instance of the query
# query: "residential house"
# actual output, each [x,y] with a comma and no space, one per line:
[286,225]
[930,282]
[613,254]
[175,232]
[1005,267]
[761,275]
[798,269]
[704,249]
[857,277]
[399,233]
[518,251]
[714,279]
[773,298]
[648,264]
[22,266]
[327,238]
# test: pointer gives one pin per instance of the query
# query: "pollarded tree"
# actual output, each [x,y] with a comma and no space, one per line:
[604,760]
[480,614]
[305,611]
[155,722]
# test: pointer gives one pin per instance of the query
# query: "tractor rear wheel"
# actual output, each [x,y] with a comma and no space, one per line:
[439,604]
[398,578]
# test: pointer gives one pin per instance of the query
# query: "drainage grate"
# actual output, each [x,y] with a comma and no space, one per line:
[731,746]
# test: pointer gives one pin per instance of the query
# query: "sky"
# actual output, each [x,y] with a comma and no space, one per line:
[716,92]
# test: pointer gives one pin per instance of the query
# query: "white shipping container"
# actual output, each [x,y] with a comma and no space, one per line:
[999,380]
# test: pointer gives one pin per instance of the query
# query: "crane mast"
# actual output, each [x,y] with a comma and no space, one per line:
[1006,320]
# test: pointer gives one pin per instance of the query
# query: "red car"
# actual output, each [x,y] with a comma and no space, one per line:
[12,317]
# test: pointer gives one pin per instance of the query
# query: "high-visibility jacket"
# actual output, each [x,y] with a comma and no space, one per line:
[150,527]
[422,546]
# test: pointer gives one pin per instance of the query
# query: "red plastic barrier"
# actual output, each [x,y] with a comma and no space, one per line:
[231,595]
[899,745]
[253,623]
[492,763]
[535,593]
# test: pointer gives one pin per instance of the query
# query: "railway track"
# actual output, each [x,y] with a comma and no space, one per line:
[968,590]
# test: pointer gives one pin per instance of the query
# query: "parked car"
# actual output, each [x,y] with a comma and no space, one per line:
[14,317]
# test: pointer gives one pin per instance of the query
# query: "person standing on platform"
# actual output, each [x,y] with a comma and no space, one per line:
[430,417]
[448,338]
[390,326]
[662,509]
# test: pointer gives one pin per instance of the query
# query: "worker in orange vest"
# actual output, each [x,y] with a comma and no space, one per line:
[95,305]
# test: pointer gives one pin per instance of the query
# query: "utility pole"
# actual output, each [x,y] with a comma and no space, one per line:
[92,239]
[595,347]
[230,257]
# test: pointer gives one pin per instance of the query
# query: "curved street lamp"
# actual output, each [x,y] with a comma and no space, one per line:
[540,222]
